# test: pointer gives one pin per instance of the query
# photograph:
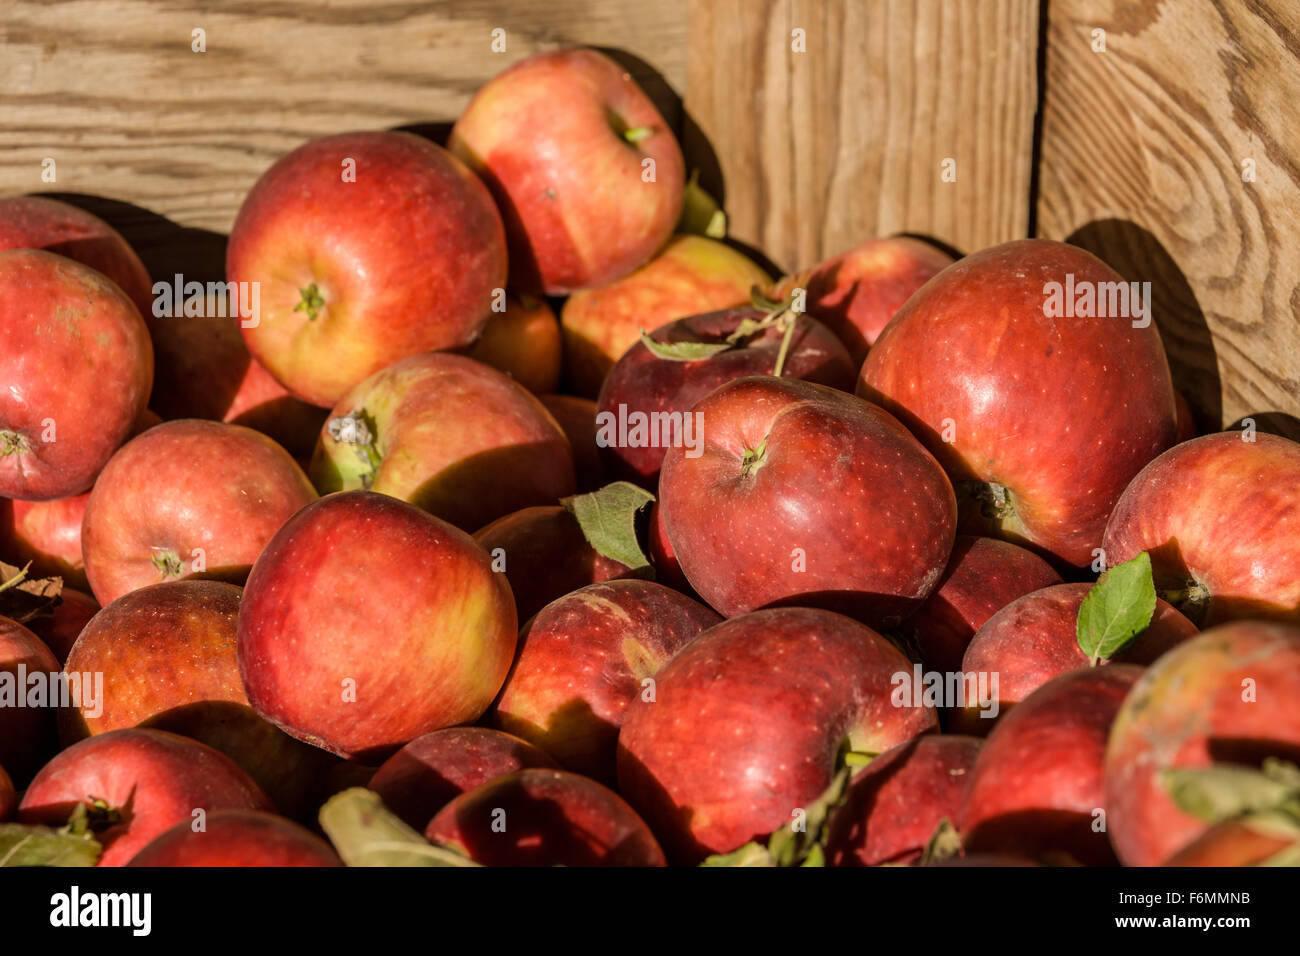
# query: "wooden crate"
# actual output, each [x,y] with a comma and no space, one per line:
[1172,149]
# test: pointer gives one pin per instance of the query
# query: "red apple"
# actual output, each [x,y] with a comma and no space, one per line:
[545,556]
[448,434]
[367,248]
[895,804]
[34,222]
[691,275]
[582,661]
[1036,789]
[136,784]
[748,720]
[1220,517]
[1187,429]
[1035,638]
[26,720]
[806,495]
[660,392]
[76,367]
[524,342]
[983,576]
[1233,843]
[667,569]
[61,629]
[577,418]
[856,293]
[203,370]
[432,770]
[237,838]
[541,817]
[588,194]
[1041,419]
[188,498]
[48,534]
[367,622]
[8,798]
[1229,695]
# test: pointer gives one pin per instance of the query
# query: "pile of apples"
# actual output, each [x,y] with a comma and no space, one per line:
[797,570]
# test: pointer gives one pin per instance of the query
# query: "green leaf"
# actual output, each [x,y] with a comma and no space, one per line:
[608,521]
[24,599]
[701,214]
[944,844]
[751,854]
[366,833]
[22,845]
[791,847]
[1225,791]
[1117,609]
[683,351]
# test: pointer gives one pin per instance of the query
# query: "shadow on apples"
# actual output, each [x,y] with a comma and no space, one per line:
[1047,835]
[1272,423]
[1138,256]
[165,247]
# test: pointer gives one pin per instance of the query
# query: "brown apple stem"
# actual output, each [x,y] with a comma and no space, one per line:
[13,443]
[168,562]
[17,579]
[753,459]
[993,500]
[311,301]
[1192,599]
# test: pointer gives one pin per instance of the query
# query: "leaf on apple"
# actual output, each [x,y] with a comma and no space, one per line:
[944,844]
[608,518]
[1117,609]
[1226,791]
[366,833]
[71,845]
[683,351]
[22,598]
[701,214]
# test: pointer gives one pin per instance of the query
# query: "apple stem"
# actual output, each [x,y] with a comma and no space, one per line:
[12,442]
[167,562]
[1192,600]
[753,459]
[17,579]
[787,320]
[311,301]
[637,133]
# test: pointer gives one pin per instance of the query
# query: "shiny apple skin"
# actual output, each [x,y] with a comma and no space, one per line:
[1037,785]
[154,779]
[1193,708]
[77,360]
[840,479]
[1220,515]
[582,661]
[748,721]
[432,770]
[644,383]
[551,817]
[238,838]
[406,259]
[26,733]
[983,576]
[974,348]
[578,211]
[365,597]
[895,803]
[186,485]
[452,436]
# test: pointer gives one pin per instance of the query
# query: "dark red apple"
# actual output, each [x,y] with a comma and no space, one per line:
[367,622]
[450,435]
[1035,638]
[34,222]
[983,576]
[136,784]
[8,798]
[545,556]
[591,193]
[1220,517]
[543,817]
[367,248]
[238,838]
[582,661]
[1036,789]
[76,366]
[26,719]
[660,392]
[188,498]
[662,555]
[1229,695]
[803,494]
[432,770]
[895,804]
[857,292]
[60,630]
[577,417]
[984,368]
[748,721]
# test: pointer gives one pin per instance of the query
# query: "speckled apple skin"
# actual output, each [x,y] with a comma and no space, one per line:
[1062,412]
[1223,513]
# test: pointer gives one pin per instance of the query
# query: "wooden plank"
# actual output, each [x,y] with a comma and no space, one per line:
[823,149]
[114,93]
[1142,160]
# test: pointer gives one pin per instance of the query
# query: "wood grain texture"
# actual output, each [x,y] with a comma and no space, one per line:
[113,92]
[824,149]
[1142,153]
